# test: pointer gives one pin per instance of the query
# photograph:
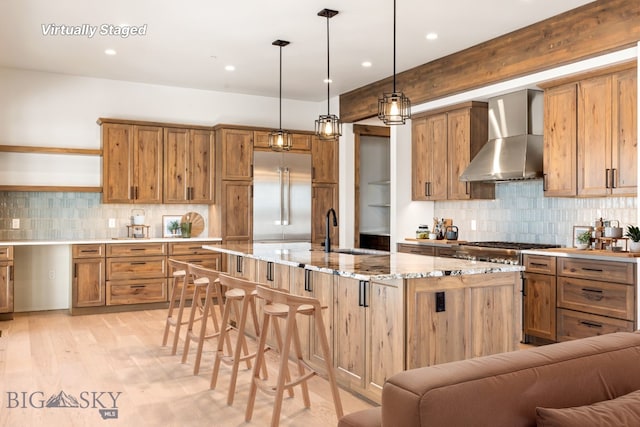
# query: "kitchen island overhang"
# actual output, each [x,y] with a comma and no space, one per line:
[391,312]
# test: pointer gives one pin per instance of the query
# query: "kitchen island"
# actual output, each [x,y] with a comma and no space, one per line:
[388,312]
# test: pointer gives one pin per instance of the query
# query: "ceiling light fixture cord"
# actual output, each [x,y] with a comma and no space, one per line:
[280,92]
[328,69]
[394,46]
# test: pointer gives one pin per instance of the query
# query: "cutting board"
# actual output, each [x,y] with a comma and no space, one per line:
[197,222]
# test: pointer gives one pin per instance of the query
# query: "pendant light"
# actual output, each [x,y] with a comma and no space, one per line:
[328,127]
[280,139]
[394,108]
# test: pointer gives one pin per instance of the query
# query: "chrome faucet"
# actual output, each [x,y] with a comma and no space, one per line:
[327,239]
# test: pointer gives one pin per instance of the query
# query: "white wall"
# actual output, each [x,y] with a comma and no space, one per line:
[55,110]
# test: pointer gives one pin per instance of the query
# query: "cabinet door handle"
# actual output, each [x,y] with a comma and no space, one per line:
[362,293]
[590,324]
[524,287]
[239,264]
[606,177]
[613,178]
[544,182]
[269,271]
[466,188]
[427,189]
[592,294]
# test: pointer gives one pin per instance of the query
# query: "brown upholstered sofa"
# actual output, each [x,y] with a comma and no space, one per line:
[510,389]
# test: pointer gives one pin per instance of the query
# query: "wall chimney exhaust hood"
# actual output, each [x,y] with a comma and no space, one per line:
[514,149]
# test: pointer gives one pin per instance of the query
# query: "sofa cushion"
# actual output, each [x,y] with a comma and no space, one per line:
[622,411]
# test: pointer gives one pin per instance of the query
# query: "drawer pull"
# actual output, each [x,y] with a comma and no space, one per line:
[139,263]
[138,286]
[593,294]
[89,251]
[539,264]
[597,270]
[590,324]
[138,249]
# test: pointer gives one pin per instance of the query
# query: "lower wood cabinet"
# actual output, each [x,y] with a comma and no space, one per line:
[88,287]
[568,298]
[368,333]
[6,282]
[409,248]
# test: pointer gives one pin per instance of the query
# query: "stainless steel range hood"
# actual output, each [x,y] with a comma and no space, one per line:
[514,149]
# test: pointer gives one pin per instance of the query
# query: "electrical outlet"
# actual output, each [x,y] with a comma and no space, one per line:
[112,223]
[52,274]
[474,226]
[15,223]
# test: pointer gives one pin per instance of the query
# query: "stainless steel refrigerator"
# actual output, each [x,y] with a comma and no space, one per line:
[281,196]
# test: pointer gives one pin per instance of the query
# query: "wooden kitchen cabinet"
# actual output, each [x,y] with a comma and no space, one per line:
[189,166]
[237,211]
[442,146]
[429,157]
[539,297]
[132,163]
[324,161]
[6,282]
[324,197]
[242,267]
[136,273]
[560,138]
[409,248]
[89,283]
[590,134]
[368,333]
[607,135]
[300,142]
[236,153]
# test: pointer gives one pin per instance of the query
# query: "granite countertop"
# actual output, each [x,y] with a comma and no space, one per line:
[108,240]
[374,265]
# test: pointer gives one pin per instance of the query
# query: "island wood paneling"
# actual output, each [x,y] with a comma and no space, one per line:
[584,32]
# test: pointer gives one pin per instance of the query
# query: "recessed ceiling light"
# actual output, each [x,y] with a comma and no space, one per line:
[109,52]
[230,68]
[366,64]
[432,36]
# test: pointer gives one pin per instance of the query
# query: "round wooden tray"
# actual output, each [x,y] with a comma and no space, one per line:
[197,222]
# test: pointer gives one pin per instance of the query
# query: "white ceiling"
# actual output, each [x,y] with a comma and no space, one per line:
[188,43]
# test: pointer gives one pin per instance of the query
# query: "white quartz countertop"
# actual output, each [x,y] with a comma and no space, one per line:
[372,266]
[109,240]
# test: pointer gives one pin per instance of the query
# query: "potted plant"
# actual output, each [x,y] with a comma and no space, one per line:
[633,233]
[173,227]
[583,240]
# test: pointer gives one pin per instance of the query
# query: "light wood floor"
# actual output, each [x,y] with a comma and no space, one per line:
[42,354]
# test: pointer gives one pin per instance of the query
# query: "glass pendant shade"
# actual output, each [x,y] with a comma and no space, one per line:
[280,140]
[328,127]
[394,108]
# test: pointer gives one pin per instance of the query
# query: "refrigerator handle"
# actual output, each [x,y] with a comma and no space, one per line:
[287,197]
[281,184]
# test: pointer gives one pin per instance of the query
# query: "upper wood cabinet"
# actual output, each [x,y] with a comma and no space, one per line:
[323,198]
[560,133]
[300,142]
[607,135]
[132,163]
[429,157]
[236,151]
[189,166]
[590,136]
[443,144]
[324,161]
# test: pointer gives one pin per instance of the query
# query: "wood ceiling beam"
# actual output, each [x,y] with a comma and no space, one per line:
[591,30]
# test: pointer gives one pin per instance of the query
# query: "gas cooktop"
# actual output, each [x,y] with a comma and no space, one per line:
[510,245]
